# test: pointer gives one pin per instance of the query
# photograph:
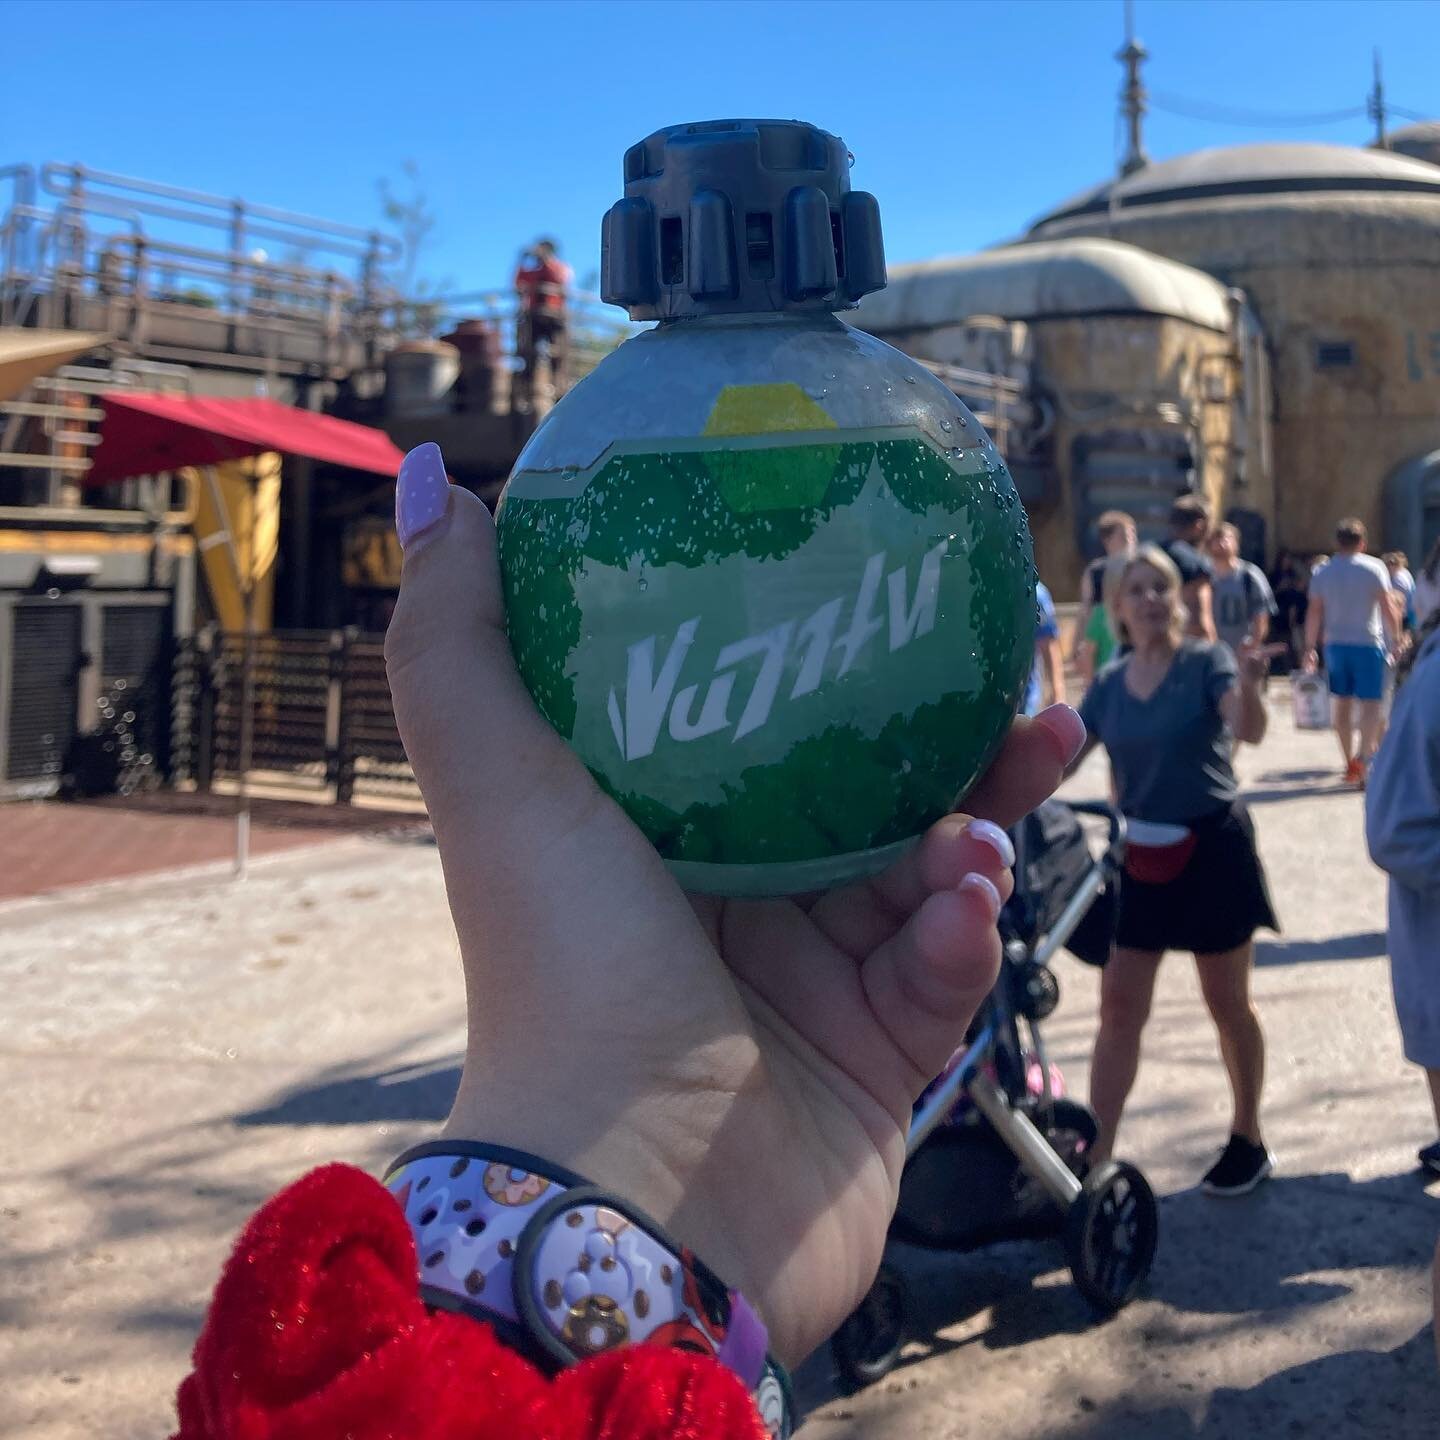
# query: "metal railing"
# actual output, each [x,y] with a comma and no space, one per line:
[998,402]
[596,328]
[54,426]
[180,274]
[144,262]
[321,715]
[243,222]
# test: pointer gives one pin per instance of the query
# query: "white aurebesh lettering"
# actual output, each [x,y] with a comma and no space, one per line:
[647,697]
[907,625]
[652,702]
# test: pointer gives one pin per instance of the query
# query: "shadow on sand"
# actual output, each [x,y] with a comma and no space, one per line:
[1362,945]
[1268,1264]
[403,1092]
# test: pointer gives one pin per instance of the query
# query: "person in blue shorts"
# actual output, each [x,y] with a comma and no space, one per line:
[1352,610]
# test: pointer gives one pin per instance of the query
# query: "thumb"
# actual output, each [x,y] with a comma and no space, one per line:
[482,753]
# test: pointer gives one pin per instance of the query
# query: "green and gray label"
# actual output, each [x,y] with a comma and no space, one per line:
[773,653]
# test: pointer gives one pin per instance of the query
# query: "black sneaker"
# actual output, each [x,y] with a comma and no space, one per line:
[1240,1168]
[1430,1158]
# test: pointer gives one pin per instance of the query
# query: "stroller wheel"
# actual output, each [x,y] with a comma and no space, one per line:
[866,1347]
[1110,1235]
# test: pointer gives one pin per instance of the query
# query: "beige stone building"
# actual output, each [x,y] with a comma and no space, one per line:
[1133,378]
[1337,250]
[1260,323]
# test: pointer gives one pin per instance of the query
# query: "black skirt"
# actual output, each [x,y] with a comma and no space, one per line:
[1216,903]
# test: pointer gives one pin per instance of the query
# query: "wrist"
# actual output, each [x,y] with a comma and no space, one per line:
[563,1270]
[616,1152]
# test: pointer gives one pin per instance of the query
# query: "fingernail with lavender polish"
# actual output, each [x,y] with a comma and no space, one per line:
[422,495]
[983,886]
[989,833]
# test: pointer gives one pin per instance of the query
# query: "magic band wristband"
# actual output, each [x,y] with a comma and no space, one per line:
[563,1270]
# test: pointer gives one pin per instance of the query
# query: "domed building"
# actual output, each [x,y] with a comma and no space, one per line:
[1420,141]
[1314,269]
[1110,377]
[1337,251]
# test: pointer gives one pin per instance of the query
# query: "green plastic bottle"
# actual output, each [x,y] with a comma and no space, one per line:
[765,573]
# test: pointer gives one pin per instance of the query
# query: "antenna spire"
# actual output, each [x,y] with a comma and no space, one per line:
[1132,96]
[1376,106]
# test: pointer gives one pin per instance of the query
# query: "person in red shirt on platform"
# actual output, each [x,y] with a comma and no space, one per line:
[541,282]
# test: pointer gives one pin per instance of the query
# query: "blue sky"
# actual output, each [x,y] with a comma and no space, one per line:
[966,119]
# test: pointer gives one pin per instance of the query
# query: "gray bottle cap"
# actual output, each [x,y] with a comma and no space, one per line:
[731,217]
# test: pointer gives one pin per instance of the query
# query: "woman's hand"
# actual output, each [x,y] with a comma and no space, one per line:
[1254,657]
[1242,707]
[743,1070]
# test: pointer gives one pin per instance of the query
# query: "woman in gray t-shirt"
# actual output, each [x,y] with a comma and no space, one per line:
[1168,713]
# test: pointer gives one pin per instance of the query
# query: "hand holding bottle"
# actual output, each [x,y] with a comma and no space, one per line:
[743,1070]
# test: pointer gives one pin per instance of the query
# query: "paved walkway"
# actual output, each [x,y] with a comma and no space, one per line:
[177,1049]
[48,845]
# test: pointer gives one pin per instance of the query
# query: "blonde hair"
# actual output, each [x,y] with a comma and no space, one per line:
[1153,556]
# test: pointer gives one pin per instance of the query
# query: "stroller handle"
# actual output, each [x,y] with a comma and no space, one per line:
[1115,845]
[1102,874]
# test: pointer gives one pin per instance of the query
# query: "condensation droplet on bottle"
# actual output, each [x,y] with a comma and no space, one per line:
[964,423]
[945,426]
[644,583]
[909,379]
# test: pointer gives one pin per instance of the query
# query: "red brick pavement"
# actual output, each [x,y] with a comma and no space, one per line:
[48,845]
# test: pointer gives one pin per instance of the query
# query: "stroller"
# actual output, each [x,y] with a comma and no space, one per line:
[993,1152]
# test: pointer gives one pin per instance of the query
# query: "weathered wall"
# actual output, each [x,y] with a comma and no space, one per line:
[1134,372]
[1357,267]
[1113,372]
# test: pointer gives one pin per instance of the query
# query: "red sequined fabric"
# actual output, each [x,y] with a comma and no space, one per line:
[317,1332]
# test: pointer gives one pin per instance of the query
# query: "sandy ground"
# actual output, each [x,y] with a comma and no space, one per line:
[176,1050]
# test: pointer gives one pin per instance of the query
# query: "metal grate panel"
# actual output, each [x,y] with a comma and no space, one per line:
[45,663]
[135,663]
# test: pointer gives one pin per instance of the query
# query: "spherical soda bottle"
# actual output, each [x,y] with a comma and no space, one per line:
[765,573]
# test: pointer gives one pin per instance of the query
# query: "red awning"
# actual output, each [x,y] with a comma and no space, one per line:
[144,434]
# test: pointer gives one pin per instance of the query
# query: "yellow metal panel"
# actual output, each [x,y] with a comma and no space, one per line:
[237,530]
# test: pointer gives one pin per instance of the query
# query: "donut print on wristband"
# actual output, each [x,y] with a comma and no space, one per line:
[564,1271]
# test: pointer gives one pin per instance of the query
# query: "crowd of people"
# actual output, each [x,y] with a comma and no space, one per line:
[1175,643]
[1348,615]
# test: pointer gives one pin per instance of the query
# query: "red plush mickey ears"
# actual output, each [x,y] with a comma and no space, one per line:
[316,1331]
